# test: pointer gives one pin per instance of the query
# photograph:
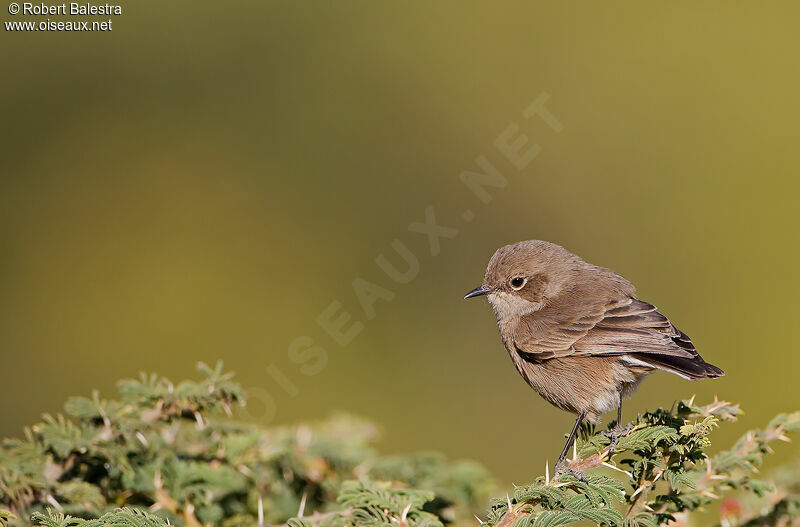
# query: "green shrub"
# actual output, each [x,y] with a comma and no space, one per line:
[165,454]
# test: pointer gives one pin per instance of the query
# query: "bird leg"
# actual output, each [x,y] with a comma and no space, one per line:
[561,464]
[617,432]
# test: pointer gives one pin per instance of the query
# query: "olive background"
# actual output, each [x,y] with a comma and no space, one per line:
[203,181]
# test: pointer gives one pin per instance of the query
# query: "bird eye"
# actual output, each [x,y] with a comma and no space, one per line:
[517,283]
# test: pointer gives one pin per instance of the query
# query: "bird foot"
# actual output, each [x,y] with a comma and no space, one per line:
[614,434]
[562,468]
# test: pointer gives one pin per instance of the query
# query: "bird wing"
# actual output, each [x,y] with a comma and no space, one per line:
[617,327]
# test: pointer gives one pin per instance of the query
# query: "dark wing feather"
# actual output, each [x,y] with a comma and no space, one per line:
[695,368]
[627,327]
[635,327]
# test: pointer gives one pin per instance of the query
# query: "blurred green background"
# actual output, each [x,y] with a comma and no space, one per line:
[200,183]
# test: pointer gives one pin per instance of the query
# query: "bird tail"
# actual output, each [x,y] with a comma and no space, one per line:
[694,368]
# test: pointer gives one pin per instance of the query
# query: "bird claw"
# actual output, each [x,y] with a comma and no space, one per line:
[614,434]
[561,469]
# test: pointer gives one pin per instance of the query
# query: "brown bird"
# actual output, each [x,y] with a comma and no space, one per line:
[577,333]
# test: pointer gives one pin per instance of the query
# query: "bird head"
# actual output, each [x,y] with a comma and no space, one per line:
[524,277]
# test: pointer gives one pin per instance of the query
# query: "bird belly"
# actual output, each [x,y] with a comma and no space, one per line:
[591,385]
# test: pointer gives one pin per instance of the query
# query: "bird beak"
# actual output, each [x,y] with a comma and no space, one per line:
[478,291]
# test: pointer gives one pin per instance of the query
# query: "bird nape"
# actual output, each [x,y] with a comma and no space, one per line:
[578,335]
